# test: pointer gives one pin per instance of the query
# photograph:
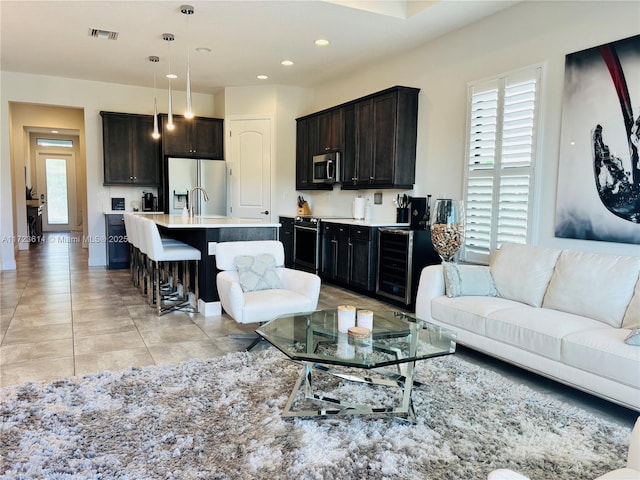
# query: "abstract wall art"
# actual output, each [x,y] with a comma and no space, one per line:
[598,195]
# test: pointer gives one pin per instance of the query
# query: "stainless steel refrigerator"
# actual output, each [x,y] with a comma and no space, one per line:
[186,173]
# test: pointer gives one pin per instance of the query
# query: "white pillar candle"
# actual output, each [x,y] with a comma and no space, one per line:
[346,318]
[365,319]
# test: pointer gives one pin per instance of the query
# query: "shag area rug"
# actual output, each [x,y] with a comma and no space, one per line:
[220,419]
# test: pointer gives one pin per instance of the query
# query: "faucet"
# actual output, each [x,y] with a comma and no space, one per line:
[190,199]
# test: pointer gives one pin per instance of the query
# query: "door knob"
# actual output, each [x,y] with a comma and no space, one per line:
[266,212]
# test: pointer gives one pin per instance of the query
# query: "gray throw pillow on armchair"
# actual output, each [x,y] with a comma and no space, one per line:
[257,272]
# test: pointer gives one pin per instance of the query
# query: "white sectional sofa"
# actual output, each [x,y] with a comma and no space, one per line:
[560,313]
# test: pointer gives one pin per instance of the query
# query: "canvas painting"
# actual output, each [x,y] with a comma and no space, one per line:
[598,194]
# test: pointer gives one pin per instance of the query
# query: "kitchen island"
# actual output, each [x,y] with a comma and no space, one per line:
[204,232]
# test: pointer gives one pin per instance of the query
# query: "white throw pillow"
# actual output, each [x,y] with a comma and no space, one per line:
[522,272]
[468,280]
[632,316]
[593,285]
[257,273]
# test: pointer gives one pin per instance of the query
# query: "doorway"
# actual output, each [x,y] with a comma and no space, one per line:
[56,174]
[250,167]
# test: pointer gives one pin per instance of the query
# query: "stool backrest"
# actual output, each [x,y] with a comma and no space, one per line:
[128,227]
[153,241]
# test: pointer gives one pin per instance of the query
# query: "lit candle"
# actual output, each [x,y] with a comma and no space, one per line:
[346,318]
[365,319]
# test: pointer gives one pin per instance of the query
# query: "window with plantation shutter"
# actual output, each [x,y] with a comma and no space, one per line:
[503,117]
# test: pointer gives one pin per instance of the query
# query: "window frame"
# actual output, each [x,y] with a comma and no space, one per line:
[496,170]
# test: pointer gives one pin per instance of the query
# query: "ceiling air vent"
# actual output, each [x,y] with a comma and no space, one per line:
[98,33]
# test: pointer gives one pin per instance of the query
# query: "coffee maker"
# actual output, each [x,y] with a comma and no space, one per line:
[149,202]
[420,212]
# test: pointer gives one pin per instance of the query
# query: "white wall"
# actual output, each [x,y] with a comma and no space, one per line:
[92,97]
[528,33]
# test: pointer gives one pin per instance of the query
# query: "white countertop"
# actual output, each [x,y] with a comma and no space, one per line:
[207,221]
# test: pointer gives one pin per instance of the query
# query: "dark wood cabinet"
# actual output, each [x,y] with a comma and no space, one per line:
[117,245]
[306,148]
[131,155]
[200,137]
[330,131]
[375,135]
[349,255]
[385,133]
[285,235]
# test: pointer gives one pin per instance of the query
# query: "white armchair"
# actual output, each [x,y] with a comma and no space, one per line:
[630,472]
[299,290]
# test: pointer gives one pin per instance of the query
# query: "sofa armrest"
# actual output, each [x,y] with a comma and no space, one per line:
[431,285]
[304,283]
[633,458]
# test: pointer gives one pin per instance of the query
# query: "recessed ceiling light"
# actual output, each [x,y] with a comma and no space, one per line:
[262,77]
[54,131]
[286,63]
[321,42]
[172,76]
[203,50]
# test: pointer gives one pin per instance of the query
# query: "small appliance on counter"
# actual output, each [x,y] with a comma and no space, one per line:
[420,213]
[149,202]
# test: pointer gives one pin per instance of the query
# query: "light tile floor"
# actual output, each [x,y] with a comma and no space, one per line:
[59,317]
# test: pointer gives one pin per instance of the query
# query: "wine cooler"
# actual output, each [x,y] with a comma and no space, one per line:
[402,254]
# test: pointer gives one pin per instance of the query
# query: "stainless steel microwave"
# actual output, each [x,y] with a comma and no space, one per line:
[326,168]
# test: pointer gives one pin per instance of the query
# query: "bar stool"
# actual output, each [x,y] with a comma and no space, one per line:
[134,251]
[159,255]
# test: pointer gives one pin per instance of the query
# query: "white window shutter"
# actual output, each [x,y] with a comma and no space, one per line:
[501,155]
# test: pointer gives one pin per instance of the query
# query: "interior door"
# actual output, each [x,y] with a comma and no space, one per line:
[57,188]
[250,147]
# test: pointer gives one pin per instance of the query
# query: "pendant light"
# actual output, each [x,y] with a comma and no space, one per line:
[169,37]
[156,133]
[188,10]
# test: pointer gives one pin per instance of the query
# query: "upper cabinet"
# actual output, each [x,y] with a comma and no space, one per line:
[330,131]
[131,155]
[383,154]
[306,147]
[199,137]
[376,136]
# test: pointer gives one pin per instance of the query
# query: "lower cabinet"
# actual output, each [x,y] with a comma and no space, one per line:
[117,244]
[285,235]
[349,255]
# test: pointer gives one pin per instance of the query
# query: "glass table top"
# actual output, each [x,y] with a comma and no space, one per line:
[397,337]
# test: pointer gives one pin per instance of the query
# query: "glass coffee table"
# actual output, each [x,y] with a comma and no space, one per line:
[397,341]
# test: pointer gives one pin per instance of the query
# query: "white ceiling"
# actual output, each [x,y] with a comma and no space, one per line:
[246,38]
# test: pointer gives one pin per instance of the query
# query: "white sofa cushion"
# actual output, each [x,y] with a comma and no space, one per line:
[468,313]
[265,305]
[538,330]
[522,272]
[602,351]
[632,316]
[593,285]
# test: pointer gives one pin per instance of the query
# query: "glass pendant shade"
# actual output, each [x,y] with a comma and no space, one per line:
[447,227]
[156,132]
[189,112]
[170,125]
